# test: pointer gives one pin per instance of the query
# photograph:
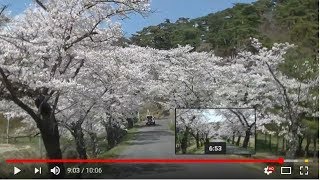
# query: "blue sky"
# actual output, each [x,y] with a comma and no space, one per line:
[163,9]
[212,115]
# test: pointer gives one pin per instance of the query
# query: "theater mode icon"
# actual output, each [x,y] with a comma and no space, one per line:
[286,170]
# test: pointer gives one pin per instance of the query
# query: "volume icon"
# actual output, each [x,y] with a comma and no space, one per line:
[55,170]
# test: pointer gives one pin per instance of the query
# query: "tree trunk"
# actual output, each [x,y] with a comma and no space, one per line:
[238,141]
[111,137]
[306,149]
[293,141]
[80,144]
[315,145]
[52,144]
[48,127]
[93,139]
[177,140]
[299,150]
[207,139]
[197,140]
[189,142]
[246,139]
[233,137]
[265,138]
[270,142]
[184,141]
[277,145]
[256,135]
[283,149]
[130,123]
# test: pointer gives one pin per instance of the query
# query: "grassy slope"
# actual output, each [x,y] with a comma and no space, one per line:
[116,151]
[112,153]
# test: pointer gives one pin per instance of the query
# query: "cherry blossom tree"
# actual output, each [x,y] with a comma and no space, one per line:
[250,79]
[45,49]
[196,123]
[274,94]
[76,109]
[60,65]
[239,122]
[185,120]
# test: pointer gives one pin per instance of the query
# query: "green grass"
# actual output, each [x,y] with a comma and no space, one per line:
[112,153]
[263,146]
[194,150]
[116,151]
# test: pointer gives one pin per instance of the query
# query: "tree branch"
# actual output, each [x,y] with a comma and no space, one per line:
[54,106]
[15,99]
[238,117]
[3,8]
[243,117]
[41,4]
[285,94]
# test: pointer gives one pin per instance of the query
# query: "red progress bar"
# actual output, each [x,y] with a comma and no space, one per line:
[139,161]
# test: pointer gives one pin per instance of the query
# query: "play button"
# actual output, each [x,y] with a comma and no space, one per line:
[16,170]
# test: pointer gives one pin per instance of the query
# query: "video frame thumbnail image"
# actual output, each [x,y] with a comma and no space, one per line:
[215,131]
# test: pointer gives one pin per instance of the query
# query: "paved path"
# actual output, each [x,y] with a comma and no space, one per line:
[158,142]
[233,149]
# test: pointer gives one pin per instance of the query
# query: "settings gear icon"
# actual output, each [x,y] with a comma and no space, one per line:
[268,170]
